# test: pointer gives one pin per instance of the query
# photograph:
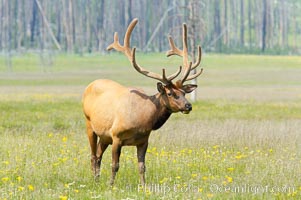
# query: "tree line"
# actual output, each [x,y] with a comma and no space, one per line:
[222,26]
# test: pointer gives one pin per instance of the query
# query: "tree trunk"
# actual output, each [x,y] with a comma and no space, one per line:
[1,23]
[226,23]
[33,22]
[242,24]
[59,25]
[9,37]
[72,25]
[47,25]
[217,24]
[101,44]
[250,23]
[234,24]
[295,32]
[264,27]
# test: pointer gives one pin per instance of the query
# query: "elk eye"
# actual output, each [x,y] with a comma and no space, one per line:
[169,94]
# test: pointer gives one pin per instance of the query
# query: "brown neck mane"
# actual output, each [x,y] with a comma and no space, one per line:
[163,113]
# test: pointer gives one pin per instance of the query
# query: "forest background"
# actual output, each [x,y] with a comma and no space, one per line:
[86,26]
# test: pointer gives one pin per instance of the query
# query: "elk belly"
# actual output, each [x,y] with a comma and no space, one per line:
[133,138]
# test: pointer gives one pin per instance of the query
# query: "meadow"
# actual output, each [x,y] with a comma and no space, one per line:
[241,141]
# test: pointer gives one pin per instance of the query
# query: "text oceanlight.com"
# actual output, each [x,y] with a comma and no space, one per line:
[213,188]
[251,189]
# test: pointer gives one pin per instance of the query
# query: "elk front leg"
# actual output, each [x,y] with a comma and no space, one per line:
[100,150]
[116,150]
[141,151]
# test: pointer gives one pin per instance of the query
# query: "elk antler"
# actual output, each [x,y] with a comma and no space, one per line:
[188,66]
[130,53]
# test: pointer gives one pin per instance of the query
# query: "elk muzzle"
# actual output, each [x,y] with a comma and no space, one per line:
[188,108]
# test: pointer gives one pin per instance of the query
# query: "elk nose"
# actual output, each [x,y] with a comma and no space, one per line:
[188,106]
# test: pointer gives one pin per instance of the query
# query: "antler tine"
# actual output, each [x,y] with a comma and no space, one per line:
[197,63]
[139,69]
[127,37]
[186,63]
[115,45]
[126,44]
[173,76]
[185,50]
[163,78]
[186,73]
[193,76]
[174,50]
[131,55]
[188,66]
[184,53]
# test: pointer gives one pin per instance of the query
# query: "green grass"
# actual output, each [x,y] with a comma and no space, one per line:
[219,70]
[241,141]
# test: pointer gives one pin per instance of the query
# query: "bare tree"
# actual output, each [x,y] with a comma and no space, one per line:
[242,23]
[217,23]
[47,24]
[33,23]
[226,23]
[78,25]
[250,22]
[1,23]
[264,25]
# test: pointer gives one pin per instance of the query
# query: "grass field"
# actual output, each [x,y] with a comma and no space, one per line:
[241,141]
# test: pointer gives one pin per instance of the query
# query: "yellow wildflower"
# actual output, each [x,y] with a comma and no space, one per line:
[5,179]
[30,187]
[6,162]
[64,139]
[19,178]
[229,179]
[163,180]
[230,169]
[63,197]
[209,195]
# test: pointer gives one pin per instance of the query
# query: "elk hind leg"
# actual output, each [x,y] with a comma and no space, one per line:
[93,145]
[101,147]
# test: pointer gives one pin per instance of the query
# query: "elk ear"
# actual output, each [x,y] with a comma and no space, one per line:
[189,88]
[160,88]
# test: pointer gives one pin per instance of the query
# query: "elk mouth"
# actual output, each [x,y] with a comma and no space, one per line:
[185,111]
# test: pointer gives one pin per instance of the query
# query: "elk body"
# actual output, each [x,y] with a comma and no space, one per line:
[121,116]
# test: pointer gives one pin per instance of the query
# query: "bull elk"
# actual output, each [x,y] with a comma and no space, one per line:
[123,116]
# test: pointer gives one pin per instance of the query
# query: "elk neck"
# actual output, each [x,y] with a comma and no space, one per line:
[162,114]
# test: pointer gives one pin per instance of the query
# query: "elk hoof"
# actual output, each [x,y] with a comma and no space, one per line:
[96,178]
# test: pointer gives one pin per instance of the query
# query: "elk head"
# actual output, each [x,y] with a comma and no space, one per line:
[172,94]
